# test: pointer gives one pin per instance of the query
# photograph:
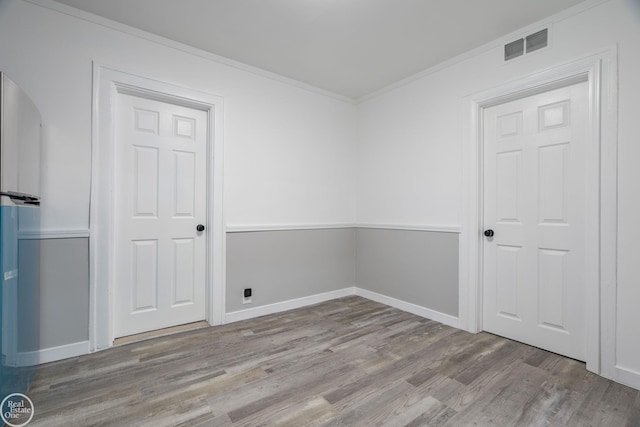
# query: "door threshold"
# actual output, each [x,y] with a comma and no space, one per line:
[160,332]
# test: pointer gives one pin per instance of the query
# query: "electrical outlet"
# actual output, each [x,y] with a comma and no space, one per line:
[246,296]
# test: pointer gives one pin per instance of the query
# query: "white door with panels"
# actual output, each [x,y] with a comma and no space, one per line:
[535,198]
[159,215]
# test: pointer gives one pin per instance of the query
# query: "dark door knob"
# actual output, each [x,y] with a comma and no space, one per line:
[488,233]
[200,227]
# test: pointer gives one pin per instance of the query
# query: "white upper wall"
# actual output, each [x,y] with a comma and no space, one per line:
[409,162]
[288,151]
[410,141]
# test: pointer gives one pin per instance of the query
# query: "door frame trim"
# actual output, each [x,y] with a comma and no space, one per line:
[599,70]
[108,82]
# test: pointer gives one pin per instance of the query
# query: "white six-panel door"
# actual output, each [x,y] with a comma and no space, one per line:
[160,199]
[534,199]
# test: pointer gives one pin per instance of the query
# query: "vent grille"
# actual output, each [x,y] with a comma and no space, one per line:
[537,40]
[514,49]
[528,44]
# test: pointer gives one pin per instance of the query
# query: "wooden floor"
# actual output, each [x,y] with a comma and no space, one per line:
[347,362]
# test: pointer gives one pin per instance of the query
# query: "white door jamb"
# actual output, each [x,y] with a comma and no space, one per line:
[600,71]
[107,84]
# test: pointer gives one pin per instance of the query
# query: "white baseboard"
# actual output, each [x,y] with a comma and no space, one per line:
[52,354]
[278,307]
[627,376]
[410,308]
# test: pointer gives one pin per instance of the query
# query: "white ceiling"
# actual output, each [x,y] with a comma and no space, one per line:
[350,47]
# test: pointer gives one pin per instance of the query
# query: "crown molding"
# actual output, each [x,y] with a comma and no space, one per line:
[154,38]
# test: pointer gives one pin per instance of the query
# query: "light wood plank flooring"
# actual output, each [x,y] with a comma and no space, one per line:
[347,362]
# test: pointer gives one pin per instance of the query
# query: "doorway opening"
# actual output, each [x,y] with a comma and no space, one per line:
[111,88]
[598,71]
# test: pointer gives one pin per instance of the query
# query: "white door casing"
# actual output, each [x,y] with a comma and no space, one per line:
[159,200]
[535,196]
[599,70]
[109,83]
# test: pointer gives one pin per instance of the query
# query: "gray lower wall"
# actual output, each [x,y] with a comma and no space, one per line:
[284,265]
[413,266]
[63,295]
[419,267]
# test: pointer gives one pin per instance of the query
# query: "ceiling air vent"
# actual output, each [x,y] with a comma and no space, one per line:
[528,44]
[537,40]
[514,49]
